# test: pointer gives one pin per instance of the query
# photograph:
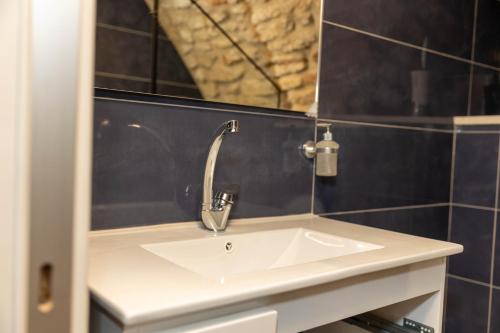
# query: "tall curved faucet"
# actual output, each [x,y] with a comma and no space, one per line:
[215,209]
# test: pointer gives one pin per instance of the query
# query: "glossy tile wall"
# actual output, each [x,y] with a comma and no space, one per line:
[124,52]
[383,167]
[474,276]
[395,178]
[390,86]
[410,62]
[149,153]
[393,73]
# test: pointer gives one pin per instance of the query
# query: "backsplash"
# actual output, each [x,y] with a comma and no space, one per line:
[149,155]
[390,87]
[390,177]
[383,167]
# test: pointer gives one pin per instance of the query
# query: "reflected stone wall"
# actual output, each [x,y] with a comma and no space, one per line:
[281,36]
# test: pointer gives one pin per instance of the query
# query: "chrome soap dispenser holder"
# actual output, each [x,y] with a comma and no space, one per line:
[325,152]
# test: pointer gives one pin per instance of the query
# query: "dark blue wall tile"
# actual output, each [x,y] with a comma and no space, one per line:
[495,312]
[173,89]
[447,24]
[430,222]
[496,278]
[131,14]
[121,84]
[485,98]
[473,229]
[153,174]
[126,52]
[466,307]
[122,53]
[475,169]
[386,167]
[362,75]
[170,65]
[488,32]
[174,78]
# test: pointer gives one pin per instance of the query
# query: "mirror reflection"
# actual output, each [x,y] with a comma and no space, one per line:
[259,52]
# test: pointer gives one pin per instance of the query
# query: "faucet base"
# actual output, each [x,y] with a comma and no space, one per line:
[216,220]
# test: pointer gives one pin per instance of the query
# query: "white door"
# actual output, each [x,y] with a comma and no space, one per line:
[46,66]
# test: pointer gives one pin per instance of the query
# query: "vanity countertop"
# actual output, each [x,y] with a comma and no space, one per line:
[136,286]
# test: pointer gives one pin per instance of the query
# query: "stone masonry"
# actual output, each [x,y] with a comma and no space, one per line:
[281,36]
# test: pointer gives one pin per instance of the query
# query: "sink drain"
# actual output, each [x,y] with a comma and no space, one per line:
[229,247]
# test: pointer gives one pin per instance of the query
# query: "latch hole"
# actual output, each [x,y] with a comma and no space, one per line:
[45,297]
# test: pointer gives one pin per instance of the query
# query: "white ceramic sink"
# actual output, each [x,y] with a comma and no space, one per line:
[227,255]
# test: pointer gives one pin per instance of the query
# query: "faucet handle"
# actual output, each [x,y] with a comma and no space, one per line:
[223,197]
[222,200]
[226,197]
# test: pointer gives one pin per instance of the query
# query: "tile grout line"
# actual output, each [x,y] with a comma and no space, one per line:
[455,204]
[385,209]
[450,217]
[493,245]
[128,30]
[143,79]
[314,168]
[420,48]
[123,29]
[413,128]
[481,283]
[316,101]
[474,29]
[473,58]
[469,93]
[457,277]
[121,76]
[472,132]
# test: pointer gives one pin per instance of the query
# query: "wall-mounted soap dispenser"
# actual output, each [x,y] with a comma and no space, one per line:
[326,153]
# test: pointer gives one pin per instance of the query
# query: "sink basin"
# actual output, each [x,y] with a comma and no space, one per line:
[222,256]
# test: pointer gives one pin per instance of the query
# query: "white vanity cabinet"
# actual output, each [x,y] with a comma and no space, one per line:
[414,291]
[138,291]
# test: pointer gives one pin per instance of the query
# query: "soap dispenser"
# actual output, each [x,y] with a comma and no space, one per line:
[326,154]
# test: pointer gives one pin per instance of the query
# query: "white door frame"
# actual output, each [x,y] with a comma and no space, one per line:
[46,106]
[14,172]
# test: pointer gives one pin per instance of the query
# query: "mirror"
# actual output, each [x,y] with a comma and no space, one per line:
[246,52]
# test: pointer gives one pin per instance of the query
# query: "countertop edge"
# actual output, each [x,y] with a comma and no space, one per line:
[135,320]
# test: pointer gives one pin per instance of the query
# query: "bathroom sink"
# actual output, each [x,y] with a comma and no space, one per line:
[222,256]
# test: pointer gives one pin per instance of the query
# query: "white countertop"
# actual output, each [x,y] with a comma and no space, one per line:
[136,286]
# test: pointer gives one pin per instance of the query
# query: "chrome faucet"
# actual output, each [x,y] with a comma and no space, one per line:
[215,209]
